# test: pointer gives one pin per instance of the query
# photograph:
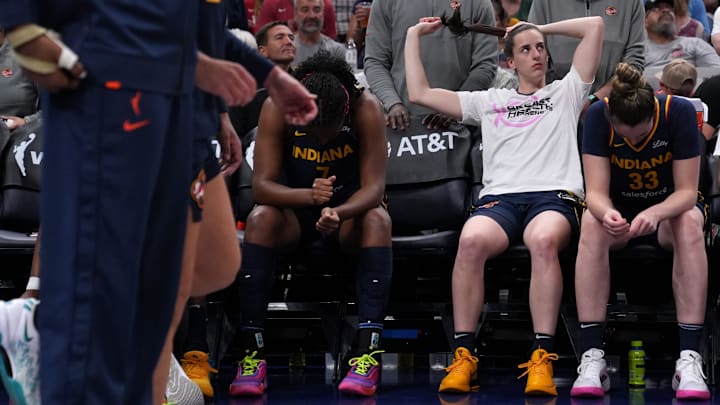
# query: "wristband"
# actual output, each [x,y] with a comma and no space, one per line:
[592,98]
[33,283]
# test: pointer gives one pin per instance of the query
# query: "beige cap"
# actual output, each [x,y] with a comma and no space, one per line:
[676,73]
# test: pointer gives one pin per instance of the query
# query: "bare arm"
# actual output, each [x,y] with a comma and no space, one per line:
[419,90]
[590,30]
[370,126]
[268,163]
[596,170]
[597,185]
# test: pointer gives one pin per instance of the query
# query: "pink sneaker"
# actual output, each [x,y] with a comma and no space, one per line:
[689,379]
[363,377]
[251,378]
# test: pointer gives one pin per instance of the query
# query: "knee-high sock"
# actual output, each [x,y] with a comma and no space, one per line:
[373,283]
[255,283]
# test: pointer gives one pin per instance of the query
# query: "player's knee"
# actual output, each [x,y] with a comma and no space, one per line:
[688,228]
[377,221]
[263,219]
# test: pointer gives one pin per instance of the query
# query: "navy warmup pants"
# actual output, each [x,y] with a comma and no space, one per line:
[115,185]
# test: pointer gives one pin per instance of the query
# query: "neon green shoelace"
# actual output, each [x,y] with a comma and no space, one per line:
[250,364]
[363,363]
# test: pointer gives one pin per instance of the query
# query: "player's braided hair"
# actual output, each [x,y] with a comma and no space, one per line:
[332,80]
[632,99]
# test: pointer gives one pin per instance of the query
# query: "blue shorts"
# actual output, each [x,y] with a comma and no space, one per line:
[629,213]
[205,167]
[514,211]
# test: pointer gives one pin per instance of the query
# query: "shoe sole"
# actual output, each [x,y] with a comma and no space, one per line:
[248,390]
[542,392]
[357,390]
[456,390]
[692,394]
[587,392]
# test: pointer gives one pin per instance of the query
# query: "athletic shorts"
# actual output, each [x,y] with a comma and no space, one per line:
[514,211]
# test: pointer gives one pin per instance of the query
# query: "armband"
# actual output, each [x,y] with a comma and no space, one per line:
[33,283]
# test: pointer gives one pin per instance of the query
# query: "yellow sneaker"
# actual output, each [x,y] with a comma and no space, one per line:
[197,367]
[461,373]
[540,373]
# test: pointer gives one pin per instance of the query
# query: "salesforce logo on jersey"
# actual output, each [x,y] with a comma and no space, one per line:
[418,154]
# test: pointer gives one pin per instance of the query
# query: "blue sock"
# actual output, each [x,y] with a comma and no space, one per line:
[255,282]
[373,283]
[690,336]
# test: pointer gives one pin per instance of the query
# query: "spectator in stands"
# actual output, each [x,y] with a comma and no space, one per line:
[335,178]
[679,78]
[310,40]
[709,93]
[715,35]
[624,37]
[236,15]
[517,10]
[276,42]
[657,202]
[468,62]
[343,11]
[698,11]
[357,27]
[532,182]
[284,10]
[685,25]
[663,44]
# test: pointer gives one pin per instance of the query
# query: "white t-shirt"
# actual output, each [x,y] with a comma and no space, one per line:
[716,22]
[529,141]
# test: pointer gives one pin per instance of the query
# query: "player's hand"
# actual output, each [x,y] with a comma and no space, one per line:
[230,146]
[329,221]
[644,223]
[294,100]
[426,25]
[13,122]
[228,80]
[322,190]
[437,121]
[614,223]
[398,117]
[43,48]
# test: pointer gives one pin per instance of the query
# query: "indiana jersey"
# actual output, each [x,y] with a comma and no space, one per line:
[305,159]
[641,175]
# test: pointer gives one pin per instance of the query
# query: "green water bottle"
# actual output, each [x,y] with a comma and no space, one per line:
[636,364]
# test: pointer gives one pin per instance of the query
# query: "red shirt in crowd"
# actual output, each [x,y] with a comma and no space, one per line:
[283,10]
